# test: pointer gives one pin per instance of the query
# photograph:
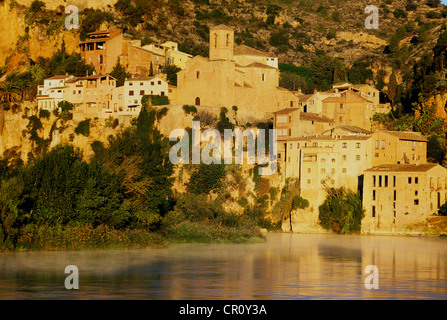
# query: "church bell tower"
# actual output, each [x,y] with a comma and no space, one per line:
[221,43]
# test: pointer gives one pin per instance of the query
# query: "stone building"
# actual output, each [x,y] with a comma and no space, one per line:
[324,161]
[220,81]
[398,195]
[292,123]
[394,147]
[349,108]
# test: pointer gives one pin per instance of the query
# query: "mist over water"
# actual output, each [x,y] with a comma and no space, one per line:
[286,266]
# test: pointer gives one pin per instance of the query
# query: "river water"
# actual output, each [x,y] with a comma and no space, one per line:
[285,266]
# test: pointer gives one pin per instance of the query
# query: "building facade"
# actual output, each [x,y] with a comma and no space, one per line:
[220,81]
[398,195]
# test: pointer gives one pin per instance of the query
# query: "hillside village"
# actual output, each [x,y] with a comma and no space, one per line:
[324,139]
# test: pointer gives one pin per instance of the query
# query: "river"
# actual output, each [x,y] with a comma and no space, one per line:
[285,266]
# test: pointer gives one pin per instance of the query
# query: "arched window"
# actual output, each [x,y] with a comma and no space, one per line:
[197,103]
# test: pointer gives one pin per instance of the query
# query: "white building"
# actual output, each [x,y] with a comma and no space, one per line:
[52,92]
[136,88]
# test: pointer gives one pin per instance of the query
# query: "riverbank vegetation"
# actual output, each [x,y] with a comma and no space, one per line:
[122,197]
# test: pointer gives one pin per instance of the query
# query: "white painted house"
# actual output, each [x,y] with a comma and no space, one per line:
[52,92]
[136,88]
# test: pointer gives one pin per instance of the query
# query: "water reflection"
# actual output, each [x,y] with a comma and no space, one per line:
[286,266]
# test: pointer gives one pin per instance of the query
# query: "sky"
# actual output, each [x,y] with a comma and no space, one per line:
[444,2]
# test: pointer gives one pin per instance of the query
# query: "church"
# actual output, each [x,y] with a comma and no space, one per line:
[243,77]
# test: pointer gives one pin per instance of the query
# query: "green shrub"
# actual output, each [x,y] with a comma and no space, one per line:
[83,128]
[341,211]
[159,100]
[44,114]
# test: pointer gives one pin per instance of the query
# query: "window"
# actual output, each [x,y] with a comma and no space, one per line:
[162,93]
[141,83]
[382,144]
[263,77]
[227,42]
[380,181]
[344,157]
[409,180]
[291,104]
[130,83]
[416,193]
[373,209]
[344,145]
[309,170]
[386,181]
[376,155]
[141,92]
[374,181]
[290,146]
[357,145]
[376,144]
[152,83]
[333,170]
[197,74]
[416,202]
[374,195]
[131,93]
[323,160]
[159,82]
[343,170]
[308,181]
[323,170]
[394,181]
[416,180]
[357,157]
[333,159]
[395,195]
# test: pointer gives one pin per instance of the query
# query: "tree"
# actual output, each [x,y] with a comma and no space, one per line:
[171,73]
[443,210]
[9,92]
[119,73]
[206,178]
[341,211]
[392,87]
[436,150]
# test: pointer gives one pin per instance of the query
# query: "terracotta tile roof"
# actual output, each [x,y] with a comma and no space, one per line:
[59,77]
[246,50]
[403,167]
[406,135]
[304,97]
[258,65]
[222,27]
[346,98]
[353,129]
[286,111]
[355,137]
[308,116]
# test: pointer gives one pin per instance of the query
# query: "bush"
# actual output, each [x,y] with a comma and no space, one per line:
[159,100]
[37,5]
[207,178]
[342,211]
[83,128]
[44,114]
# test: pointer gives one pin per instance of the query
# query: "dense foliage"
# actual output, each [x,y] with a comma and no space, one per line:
[341,211]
